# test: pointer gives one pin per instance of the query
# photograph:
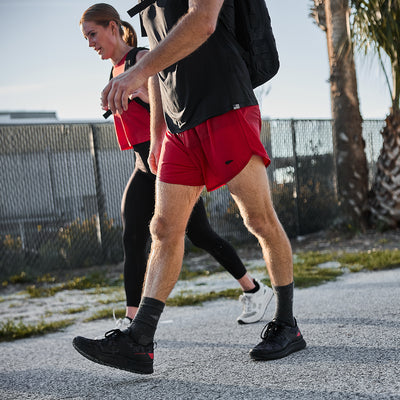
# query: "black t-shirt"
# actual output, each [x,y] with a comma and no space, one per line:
[211,81]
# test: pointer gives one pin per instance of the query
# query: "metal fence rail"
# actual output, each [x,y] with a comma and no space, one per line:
[61,187]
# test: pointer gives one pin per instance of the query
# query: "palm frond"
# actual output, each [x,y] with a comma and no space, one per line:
[376,28]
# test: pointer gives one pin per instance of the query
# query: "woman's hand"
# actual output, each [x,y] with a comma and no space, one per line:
[115,95]
[142,93]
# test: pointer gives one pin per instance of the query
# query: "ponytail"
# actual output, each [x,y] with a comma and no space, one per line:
[128,34]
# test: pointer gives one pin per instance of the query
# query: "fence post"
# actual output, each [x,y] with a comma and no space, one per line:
[101,209]
[296,177]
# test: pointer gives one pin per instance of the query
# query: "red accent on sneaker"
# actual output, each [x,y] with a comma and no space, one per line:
[151,355]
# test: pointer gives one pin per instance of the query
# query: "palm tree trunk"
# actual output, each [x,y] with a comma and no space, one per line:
[385,192]
[384,198]
[349,145]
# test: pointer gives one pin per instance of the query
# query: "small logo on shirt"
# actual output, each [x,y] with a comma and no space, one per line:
[236,106]
[228,162]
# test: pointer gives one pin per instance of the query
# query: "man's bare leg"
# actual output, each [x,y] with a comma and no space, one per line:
[174,204]
[250,190]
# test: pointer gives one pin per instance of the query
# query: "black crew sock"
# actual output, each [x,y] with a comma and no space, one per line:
[144,325]
[255,289]
[284,304]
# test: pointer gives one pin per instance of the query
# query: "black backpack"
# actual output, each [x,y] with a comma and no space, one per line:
[253,32]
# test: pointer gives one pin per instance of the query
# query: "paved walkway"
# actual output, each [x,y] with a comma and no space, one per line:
[352,328]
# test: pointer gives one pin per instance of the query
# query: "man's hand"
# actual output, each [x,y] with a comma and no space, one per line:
[115,95]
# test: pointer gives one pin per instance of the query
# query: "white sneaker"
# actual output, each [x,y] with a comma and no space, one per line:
[255,304]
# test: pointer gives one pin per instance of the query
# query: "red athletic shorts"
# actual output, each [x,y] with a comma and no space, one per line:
[213,152]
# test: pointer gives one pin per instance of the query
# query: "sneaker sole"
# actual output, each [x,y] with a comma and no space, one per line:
[242,322]
[291,348]
[148,367]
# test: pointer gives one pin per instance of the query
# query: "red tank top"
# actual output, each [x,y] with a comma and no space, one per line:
[133,126]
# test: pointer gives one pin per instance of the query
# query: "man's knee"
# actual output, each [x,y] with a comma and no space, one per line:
[262,224]
[256,224]
[163,229]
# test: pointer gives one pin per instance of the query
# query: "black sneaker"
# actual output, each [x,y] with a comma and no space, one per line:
[117,350]
[278,340]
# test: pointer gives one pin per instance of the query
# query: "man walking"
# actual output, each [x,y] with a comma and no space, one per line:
[213,139]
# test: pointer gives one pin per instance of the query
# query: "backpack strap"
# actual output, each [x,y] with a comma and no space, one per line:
[130,59]
[129,62]
[140,7]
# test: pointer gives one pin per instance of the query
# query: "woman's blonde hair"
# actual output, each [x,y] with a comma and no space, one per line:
[102,14]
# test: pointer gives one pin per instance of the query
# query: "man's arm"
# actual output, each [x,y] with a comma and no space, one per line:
[158,126]
[191,31]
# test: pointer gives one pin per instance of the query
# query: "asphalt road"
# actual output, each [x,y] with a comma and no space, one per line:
[352,329]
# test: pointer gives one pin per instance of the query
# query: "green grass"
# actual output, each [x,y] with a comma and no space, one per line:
[95,280]
[372,260]
[185,299]
[20,278]
[187,274]
[307,273]
[23,277]
[75,310]
[46,278]
[10,330]
[105,313]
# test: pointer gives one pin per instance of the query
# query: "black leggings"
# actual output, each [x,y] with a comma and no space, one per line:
[137,210]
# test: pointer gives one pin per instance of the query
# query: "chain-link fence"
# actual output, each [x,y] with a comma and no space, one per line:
[61,188]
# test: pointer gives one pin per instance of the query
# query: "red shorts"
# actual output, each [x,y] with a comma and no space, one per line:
[213,152]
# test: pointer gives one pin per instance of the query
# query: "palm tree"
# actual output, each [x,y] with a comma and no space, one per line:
[376,27]
[333,16]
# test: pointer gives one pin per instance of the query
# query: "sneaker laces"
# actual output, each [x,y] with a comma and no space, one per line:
[112,333]
[118,325]
[268,329]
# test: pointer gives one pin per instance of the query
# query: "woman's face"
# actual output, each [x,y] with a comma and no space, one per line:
[101,39]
